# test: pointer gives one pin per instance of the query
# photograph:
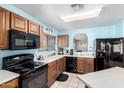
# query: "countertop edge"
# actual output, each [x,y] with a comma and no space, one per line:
[84,82]
[49,60]
[9,78]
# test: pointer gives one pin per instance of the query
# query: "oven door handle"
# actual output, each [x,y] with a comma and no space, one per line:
[33,74]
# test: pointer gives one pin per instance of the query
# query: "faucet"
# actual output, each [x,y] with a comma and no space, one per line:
[40,57]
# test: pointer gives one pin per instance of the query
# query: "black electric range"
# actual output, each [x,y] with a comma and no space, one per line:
[32,74]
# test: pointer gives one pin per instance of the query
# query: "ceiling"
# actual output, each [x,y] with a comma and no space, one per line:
[50,13]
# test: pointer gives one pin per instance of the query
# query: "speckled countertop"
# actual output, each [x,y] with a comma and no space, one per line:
[109,78]
[56,57]
[6,76]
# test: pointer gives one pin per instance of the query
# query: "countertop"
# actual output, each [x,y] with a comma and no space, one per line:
[109,78]
[56,57]
[6,76]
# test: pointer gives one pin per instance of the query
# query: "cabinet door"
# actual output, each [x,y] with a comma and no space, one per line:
[18,23]
[4,27]
[41,37]
[60,41]
[89,65]
[61,64]
[63,41]
[33,28]
[11,84]
[81,66]
[59,67]
[51,75]
[64,64]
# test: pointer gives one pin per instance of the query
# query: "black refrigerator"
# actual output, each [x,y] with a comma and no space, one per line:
[109,53]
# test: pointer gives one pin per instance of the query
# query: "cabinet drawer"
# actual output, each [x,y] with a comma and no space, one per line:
[52,63]
[86,59]
[11,84]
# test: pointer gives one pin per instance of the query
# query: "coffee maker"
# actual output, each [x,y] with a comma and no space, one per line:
[60,51]
[71,51]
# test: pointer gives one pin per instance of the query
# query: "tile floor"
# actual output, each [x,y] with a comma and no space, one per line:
[72,82]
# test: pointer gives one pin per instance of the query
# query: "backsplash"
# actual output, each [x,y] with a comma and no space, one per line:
[45,54]
[52,31]
[4,53]
[109,31]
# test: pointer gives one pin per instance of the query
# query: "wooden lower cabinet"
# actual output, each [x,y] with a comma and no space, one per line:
[81,66]
[85,65]
[55,68]
[52,74]
[64,64]
[89,66]
[59,66]
[11,84]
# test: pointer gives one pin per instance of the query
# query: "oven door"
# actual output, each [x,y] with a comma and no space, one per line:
[36,79]
[17,40]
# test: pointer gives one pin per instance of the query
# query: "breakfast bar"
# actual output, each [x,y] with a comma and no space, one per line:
[109,78]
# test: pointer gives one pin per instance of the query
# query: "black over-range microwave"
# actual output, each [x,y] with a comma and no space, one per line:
[21,40]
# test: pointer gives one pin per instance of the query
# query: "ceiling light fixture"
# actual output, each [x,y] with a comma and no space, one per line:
[82,15]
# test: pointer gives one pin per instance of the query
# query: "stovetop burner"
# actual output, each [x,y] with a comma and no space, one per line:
[21,63]
[27,67]
[18,68]
[31,72]
[39,63]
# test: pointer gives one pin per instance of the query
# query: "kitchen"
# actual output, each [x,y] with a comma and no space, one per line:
[35,54]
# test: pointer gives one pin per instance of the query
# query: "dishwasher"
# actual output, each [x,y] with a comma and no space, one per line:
[71,64]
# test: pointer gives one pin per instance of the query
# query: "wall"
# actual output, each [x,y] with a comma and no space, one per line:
[115,30]
[119,30]
[13,9]
[112,31]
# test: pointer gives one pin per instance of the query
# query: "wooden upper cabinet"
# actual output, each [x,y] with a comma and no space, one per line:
[18,23]
[63,41]
[34,28]
[41,37]
[4,27]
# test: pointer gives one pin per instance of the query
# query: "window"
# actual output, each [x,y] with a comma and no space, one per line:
[49,42]
[80,42]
